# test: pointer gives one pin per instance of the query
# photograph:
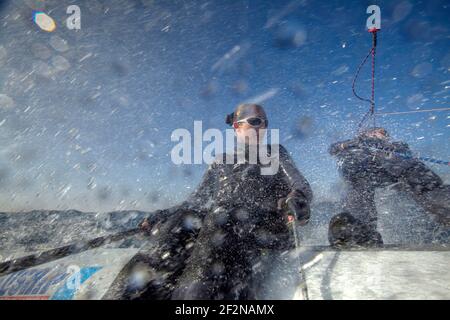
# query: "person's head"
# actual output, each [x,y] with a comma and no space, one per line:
[344,230]
[249,122]
[377,133]
[340,229]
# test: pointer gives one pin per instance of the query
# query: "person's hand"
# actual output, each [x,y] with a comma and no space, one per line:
[296,207]
[145,225]
[299,207]
[290,218]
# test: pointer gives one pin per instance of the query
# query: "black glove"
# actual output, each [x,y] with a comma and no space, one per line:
[296,204]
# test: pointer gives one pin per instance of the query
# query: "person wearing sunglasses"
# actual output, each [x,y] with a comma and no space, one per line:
[242,239]
[250,124]
[227,239]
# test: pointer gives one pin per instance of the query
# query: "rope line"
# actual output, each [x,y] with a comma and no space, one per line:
[412,111]
[358,71]
[371,112]
[408,156]
[372,105]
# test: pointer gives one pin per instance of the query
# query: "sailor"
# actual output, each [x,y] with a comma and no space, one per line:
[211,246]
[372,160]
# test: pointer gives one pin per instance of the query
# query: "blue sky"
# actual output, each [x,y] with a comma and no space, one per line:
[88,115]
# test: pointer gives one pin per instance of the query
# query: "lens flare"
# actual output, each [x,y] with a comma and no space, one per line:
[44,21]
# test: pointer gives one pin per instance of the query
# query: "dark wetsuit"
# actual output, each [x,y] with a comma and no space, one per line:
[370,163]
[211,246]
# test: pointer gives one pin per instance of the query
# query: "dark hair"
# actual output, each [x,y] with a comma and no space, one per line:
[229,119]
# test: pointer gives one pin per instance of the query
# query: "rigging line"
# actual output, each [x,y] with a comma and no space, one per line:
[410,155]
[303,285]
[413,111]
[372,53]
[372,106]
[363,120]
[357,75]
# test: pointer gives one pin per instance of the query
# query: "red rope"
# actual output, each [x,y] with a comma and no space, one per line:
[357,75]
[374,46]
[372,53]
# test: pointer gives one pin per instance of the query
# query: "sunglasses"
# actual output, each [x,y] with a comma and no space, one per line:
[254,122]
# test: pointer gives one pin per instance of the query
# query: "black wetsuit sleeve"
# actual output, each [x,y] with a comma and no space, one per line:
[401,149]
[338,147]
[197,201]
[394,157]
[292,176]
[416,173]
[200,198]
